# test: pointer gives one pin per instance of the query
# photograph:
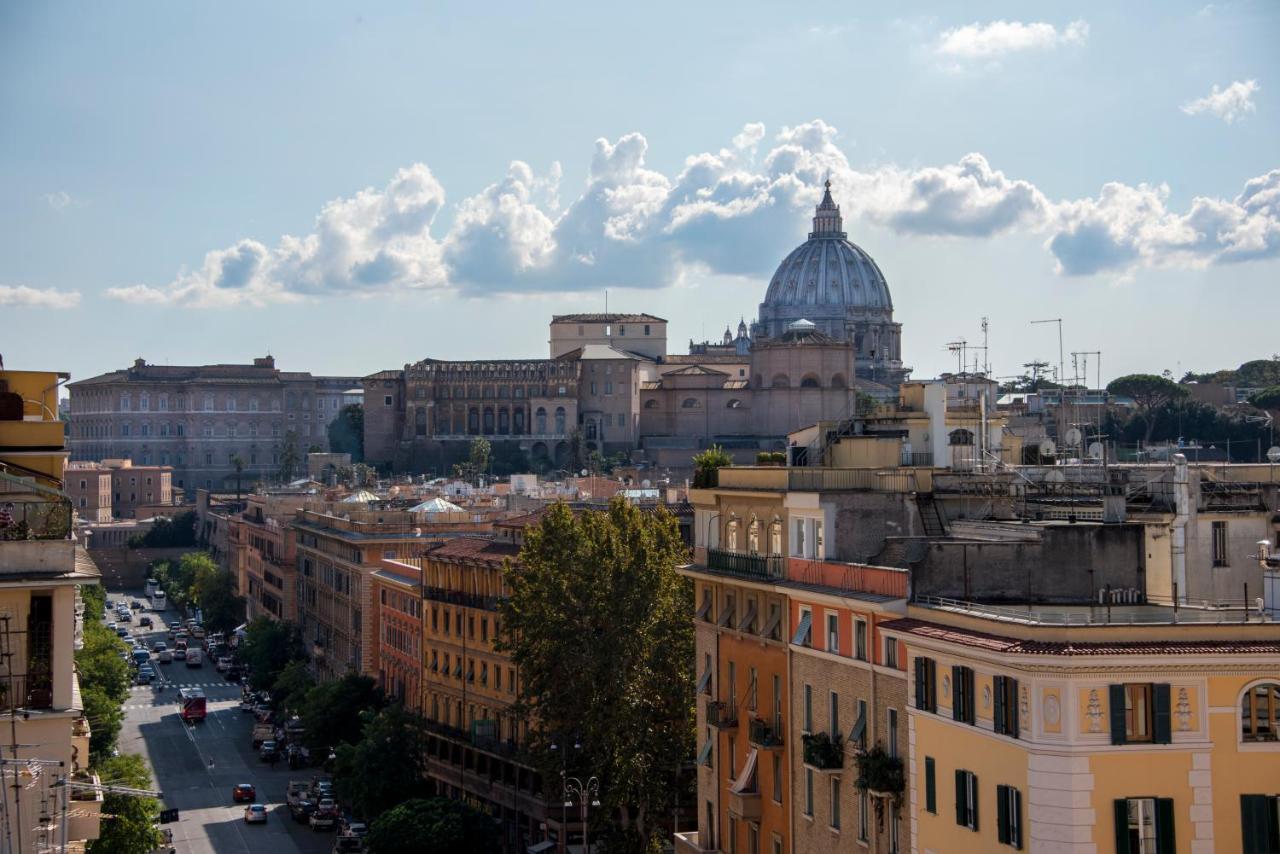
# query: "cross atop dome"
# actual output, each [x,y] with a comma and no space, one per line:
[827,221]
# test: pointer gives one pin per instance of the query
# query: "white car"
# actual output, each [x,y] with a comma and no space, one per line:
[255,814]
[223,663]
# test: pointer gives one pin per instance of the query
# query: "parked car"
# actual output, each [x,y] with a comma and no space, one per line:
[144,622]
[269,752]
[244,792]
[165,656]
[180,654]
[255,814]
[355,828]
[348,845]
[301,810]
[223,663]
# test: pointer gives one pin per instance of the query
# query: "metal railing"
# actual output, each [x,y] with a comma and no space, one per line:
[466,600]
[25,692]
[35,519]
[923,459]
[871,480]
[765,567]
[721,715]
[761,733]
[1147,613]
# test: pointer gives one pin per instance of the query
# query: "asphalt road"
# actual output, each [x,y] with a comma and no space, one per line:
[197,766]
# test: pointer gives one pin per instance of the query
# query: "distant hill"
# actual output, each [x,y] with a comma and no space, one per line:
[1260,373]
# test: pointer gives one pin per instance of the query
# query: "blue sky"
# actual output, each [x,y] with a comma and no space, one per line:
[355,188]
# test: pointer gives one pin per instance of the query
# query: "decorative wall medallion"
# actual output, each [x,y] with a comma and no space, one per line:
[986,697]
[1183,710]
[1095,711]
[946,686]
[1052,710]
[1024,704]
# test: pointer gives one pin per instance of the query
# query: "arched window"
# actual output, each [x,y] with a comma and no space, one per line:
[420,421]
[733,404]
[651,404]
[518,420]
[144,402]
[960,437]
[125,403]
[810,381]
[753,536]
[488,420]
[473,421]
[690,403]
[781,381]
[540,421]
[1260,713]
[559,419]
[837,381]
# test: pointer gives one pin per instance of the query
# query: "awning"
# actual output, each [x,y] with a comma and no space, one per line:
[541,847]
[704,608]
[801,637]
[726,616]
[859,727]
[704,681]
[705,753]
[746,782]
[775,617]
[749,618]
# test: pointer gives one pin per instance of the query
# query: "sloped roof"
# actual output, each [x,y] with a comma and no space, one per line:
[606,318]
[436,505]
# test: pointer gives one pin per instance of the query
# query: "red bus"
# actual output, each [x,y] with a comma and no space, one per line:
[193,705]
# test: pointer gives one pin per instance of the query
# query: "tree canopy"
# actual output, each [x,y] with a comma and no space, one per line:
[212,592]
[1268,398]
[391,742]
[131,827]
[269,646]
[331,711]
[707,463]
[598,623]
[1149,392]
[346,432]
[432,826]
[165,533]
[104,676]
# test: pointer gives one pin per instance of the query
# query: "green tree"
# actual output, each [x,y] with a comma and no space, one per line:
[391,742]
[478,456]
[178,532]
[598,624]
[331,712]
[346,432]
[237,462]
[432,826]
[289,457]
[131,828]
[1268,398]
[706,463]
[1150,392]
[209,588]
[95,601]
[105,718]
[269,647]
[291,687]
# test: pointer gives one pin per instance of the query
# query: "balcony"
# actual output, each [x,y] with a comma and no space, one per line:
[457,597]
[745,805]
[689,842]
[84,818]
[721,715]
[744,565]
[824,752]
[28,694]
[34,519]
[764,735]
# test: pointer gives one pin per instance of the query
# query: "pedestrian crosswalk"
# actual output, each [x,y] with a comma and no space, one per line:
[230,686]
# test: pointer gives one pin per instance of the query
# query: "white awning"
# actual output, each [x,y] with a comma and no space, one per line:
[801,637]
[746,782]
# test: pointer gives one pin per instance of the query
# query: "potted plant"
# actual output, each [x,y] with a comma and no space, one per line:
[880,774]
[824,751]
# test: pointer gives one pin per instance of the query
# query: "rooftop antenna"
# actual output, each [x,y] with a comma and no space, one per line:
[1062,362]
[958,347]
[986,353]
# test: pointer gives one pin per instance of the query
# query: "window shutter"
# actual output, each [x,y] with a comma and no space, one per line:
[930,786]
[1002,814]
[1117,716]
[1253,823]
[920,668]
[1162,725]
[997,686]
[1013,708]
[1122,824]
[1015,837]
[1165,842]
[973,778]
[962,795]
[957,698]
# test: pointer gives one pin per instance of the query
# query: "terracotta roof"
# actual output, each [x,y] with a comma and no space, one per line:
[474,548]
[1017,646]
[525,520]
[606,318]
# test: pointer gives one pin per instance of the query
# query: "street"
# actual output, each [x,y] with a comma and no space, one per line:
[197,766]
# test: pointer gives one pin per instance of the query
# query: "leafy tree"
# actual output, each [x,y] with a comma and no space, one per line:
[391,742]
[432,826]
[331,712]
[346,432]
[177,532]
[598,624]
[105,718]
[95,601]
[100,664]
[269,647]
[1268,398]
[289,458]
[131,828]
[237,462]
[290,688]
[1149,392]
[706,463]
[477,462]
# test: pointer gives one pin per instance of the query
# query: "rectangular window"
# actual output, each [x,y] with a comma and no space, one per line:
[1009,816]
[926,684]
[967,799]
[835,802]
[860,639]
[386,400]
[808,792]
[963,707]
[808,708]
[893,733]
[753,839]
[833,634]
[1220,555]
[890,653]
[751,690]
[1140,713]
[834,713]
[859,734]
[1005,691]
[930,786]
[1145,826]
[733,685]
[801,637]
[864,820]
[733,756]
[1260,823]
[777,777]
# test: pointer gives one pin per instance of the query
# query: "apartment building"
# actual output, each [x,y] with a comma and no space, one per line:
[89,487]
[398,607]
[46,741]
[262,555]
[1088,729]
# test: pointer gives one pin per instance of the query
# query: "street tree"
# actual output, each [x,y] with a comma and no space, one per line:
[331,712]
[131,828]
[432,826]
[269,646]
[597,622]
[391,742]
[211,591]
[290,688]
[1150,392]
[237,462]
[289,457]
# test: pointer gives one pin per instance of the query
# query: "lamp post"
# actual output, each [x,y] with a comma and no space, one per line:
[587,795]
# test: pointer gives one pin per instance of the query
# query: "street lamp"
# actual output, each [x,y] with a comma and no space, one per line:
[587,794]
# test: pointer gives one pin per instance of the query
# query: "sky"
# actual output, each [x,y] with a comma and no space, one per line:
[352,187]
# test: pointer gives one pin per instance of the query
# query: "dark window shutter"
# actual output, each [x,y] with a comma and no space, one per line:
[931,679]
[930,786]
[1013,706]
[1254,821]
[920,698]
[957,695]
[1165,841]
[974,777]
[1162,725]
[997,688]
[1015,838]
[962,795]
[1122,824]
[1117,715]
[1002,815]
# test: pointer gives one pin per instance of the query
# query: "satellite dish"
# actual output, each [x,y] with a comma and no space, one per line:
[1073,437]
[1047,448]
[1096,450]
[1273,453]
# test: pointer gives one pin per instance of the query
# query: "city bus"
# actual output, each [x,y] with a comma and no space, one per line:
[152,587]
[158,601]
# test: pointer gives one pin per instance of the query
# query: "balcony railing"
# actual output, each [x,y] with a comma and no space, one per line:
[763,734]
[873,480]
[721,715]
[457,597]
[48,519]
[824,752]
[24,692]
[764,567]
[917,458]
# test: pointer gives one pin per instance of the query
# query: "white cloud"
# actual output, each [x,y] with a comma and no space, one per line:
[736,210]
[21,296]
[1229,104]
[991,41]
[61,200]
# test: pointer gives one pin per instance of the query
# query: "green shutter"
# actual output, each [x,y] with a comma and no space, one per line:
[1117,715]
[920,703]
[1002,815]
[975,801]
[1012,685]
[962,815]
[1253,823]
[1162,725]
[997,688]
[1165,839]
[957,701]
[930,786]
[1122,823]
[1015,838]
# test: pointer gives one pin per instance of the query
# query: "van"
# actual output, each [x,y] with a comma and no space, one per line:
[195,658]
